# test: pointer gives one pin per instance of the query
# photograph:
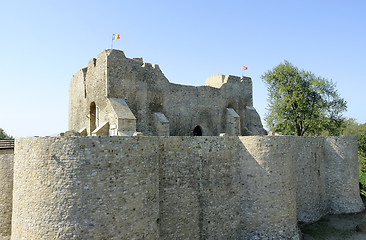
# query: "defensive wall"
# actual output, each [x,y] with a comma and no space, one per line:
[178,187]
[117,96]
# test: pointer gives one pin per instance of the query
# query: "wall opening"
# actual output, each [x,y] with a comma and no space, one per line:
[197,131]
[92,119]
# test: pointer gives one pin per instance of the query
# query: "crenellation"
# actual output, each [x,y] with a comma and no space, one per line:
[148,159]
[146,91]
[156,66]
[92,62]
[146,65]
[140,60]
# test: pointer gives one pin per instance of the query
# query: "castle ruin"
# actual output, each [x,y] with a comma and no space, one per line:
[117,96]
[170,183]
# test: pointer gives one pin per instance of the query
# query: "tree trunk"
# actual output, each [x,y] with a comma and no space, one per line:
[298,130]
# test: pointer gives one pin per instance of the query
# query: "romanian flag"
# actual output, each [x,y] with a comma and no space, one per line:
[115,36]
[245,68]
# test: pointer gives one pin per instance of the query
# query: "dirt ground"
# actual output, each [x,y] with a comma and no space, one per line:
[337,227]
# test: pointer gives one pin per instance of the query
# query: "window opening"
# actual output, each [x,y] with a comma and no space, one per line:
[93,116]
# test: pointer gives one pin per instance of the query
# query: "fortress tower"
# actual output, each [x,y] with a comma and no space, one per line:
[117,96]
[112,186]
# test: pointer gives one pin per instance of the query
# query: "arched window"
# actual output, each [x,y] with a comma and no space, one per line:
[197,131]
[93,117]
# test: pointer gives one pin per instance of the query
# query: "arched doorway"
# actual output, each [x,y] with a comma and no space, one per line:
[92,119]
[197,131]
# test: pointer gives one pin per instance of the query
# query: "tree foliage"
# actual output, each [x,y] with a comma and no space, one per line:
[301,103]
[352,128]
[359,130]
[3,135]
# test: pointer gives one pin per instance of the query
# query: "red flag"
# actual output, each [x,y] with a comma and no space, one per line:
[245,68]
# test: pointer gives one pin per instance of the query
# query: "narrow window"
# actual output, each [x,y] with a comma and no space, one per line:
[93,116]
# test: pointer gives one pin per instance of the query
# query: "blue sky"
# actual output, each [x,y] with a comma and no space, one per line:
[43,43]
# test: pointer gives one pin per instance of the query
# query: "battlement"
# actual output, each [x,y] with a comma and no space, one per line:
[148,93]
[218,80]
[104,180]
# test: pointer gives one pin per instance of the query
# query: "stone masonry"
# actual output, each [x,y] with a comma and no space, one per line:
[148,159]
[117,96]
[180,187]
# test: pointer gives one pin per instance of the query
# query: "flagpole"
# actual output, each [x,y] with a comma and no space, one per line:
[114,36]
[242,71]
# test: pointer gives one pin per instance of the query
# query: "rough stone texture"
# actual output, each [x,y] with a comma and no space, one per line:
[121,115]
[342,187]
[179,187]
[312,201]
[161,125]
[102,130]
[85,188]
[327,177]
[269,185]
[144,91]
[6,188]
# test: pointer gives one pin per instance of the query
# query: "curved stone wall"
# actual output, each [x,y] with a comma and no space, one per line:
[326,177]
[312,200]
[342,175]
[178,187]
[269,188]
[6,188]
[84,188]
[226,188]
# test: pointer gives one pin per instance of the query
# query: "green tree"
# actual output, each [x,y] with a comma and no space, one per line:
[359,130]
[3,135]
[301,103]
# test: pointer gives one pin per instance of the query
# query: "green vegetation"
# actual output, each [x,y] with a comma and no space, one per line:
[305,105]
[301,103]
[3,135]
[352,128]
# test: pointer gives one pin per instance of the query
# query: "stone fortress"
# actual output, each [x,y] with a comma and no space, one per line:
[157,160]
[117,96]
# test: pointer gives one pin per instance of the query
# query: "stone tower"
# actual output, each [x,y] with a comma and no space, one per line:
[117,96]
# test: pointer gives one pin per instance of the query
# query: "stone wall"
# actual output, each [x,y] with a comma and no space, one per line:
[326,177]
[311,197]
[146,91]
[87,86]
[85,188]
[179,187]
[341,162]
[6,188]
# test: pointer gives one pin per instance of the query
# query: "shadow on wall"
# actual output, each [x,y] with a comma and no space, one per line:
[161,187]
[227,188]
[342,181]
